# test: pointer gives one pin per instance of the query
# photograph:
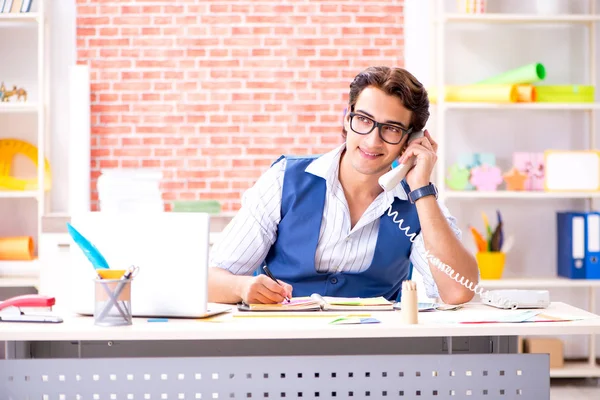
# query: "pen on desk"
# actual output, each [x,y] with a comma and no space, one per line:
[270,275]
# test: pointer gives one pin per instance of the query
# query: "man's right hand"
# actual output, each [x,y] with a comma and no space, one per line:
[262,289]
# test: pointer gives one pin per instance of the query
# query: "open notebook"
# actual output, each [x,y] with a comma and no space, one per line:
[317,302]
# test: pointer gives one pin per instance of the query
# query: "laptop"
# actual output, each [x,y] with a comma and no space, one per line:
[170,250]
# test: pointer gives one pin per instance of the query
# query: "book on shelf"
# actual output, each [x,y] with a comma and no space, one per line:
[316,302]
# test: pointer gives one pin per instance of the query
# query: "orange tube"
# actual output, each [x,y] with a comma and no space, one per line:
[526,93]
[18,248]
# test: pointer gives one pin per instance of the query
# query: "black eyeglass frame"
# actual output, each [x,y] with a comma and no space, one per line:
[379,125]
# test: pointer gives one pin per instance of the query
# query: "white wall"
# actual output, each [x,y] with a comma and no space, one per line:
[63,55]
[474,52]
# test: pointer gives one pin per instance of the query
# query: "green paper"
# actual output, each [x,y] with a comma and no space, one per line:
[529,73]
[207,206]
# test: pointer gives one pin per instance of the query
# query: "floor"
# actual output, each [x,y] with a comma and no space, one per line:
[580,389]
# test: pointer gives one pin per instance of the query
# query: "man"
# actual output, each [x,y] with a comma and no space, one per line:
[324,225]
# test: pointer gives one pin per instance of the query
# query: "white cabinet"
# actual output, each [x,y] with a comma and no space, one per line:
[54,267]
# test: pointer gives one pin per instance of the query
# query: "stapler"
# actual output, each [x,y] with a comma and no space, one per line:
[14,309]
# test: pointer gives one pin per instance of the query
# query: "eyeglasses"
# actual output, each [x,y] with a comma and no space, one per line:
[364,125]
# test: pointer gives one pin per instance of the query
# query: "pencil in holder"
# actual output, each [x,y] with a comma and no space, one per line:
[491,264]
[112,306]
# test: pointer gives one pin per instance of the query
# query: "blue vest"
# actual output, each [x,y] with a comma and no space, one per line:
[292,257]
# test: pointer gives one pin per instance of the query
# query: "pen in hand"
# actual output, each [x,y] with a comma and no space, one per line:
[270,275]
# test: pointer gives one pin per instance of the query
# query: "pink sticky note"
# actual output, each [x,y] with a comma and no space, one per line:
[537,171]
[531,164]
[486,177]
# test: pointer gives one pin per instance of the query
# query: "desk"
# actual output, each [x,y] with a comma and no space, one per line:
[299,356]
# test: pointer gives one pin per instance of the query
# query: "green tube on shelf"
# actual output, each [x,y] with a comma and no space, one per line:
[207,206]
[565,93]
[529,73]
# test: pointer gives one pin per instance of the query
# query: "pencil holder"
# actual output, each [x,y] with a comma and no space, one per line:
[408,303]
[491,264]
[112,306]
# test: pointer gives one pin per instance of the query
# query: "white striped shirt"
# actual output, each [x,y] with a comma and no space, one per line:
[245,242]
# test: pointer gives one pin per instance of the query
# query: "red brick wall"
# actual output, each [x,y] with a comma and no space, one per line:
[211,92]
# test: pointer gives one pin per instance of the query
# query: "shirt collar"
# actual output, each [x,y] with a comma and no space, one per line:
[327,166]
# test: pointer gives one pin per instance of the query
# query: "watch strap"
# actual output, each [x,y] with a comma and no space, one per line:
[429,190]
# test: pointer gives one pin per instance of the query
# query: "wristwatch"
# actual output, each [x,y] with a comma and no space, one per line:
[429,190]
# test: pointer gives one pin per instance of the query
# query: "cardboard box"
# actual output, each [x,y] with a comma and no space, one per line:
[551,346]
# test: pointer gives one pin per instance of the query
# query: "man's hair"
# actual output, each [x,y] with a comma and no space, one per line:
[396,82]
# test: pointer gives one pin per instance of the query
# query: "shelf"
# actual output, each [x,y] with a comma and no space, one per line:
[15,281]
[521,18]
[18,107]
[17,194]
[506,194]
[19,273]
[521,106]
[19,268]
[541,282]
[19,17]
[576,369]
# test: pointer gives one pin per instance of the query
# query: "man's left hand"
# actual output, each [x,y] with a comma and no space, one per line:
[424,149]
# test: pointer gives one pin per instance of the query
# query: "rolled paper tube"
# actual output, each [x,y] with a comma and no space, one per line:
[526,93]
[565,93]
[529,73]
[478,93]
[18,248]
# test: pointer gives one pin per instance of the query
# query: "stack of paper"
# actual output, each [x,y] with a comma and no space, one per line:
[130,190]
[354,303]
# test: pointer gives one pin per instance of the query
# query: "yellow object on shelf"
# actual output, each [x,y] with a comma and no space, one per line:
[18,248]
[471,6]
[8,149]
[477,93]
[491,264]
[565,93]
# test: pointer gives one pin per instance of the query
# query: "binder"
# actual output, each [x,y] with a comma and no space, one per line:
[592,250]
[571,244]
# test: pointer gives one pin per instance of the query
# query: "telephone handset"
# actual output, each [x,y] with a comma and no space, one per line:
[391,179]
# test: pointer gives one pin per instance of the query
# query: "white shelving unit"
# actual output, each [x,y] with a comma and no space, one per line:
[440,22]
[26,273]
[506,194]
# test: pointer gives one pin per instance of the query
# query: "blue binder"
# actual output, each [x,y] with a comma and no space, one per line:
[592,243]
[571,243]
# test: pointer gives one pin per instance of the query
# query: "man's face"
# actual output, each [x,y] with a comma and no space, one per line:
[369,154]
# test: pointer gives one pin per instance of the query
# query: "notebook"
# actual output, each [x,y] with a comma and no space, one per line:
[317,302]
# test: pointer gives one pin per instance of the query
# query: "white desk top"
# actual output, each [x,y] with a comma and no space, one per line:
[296,325]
